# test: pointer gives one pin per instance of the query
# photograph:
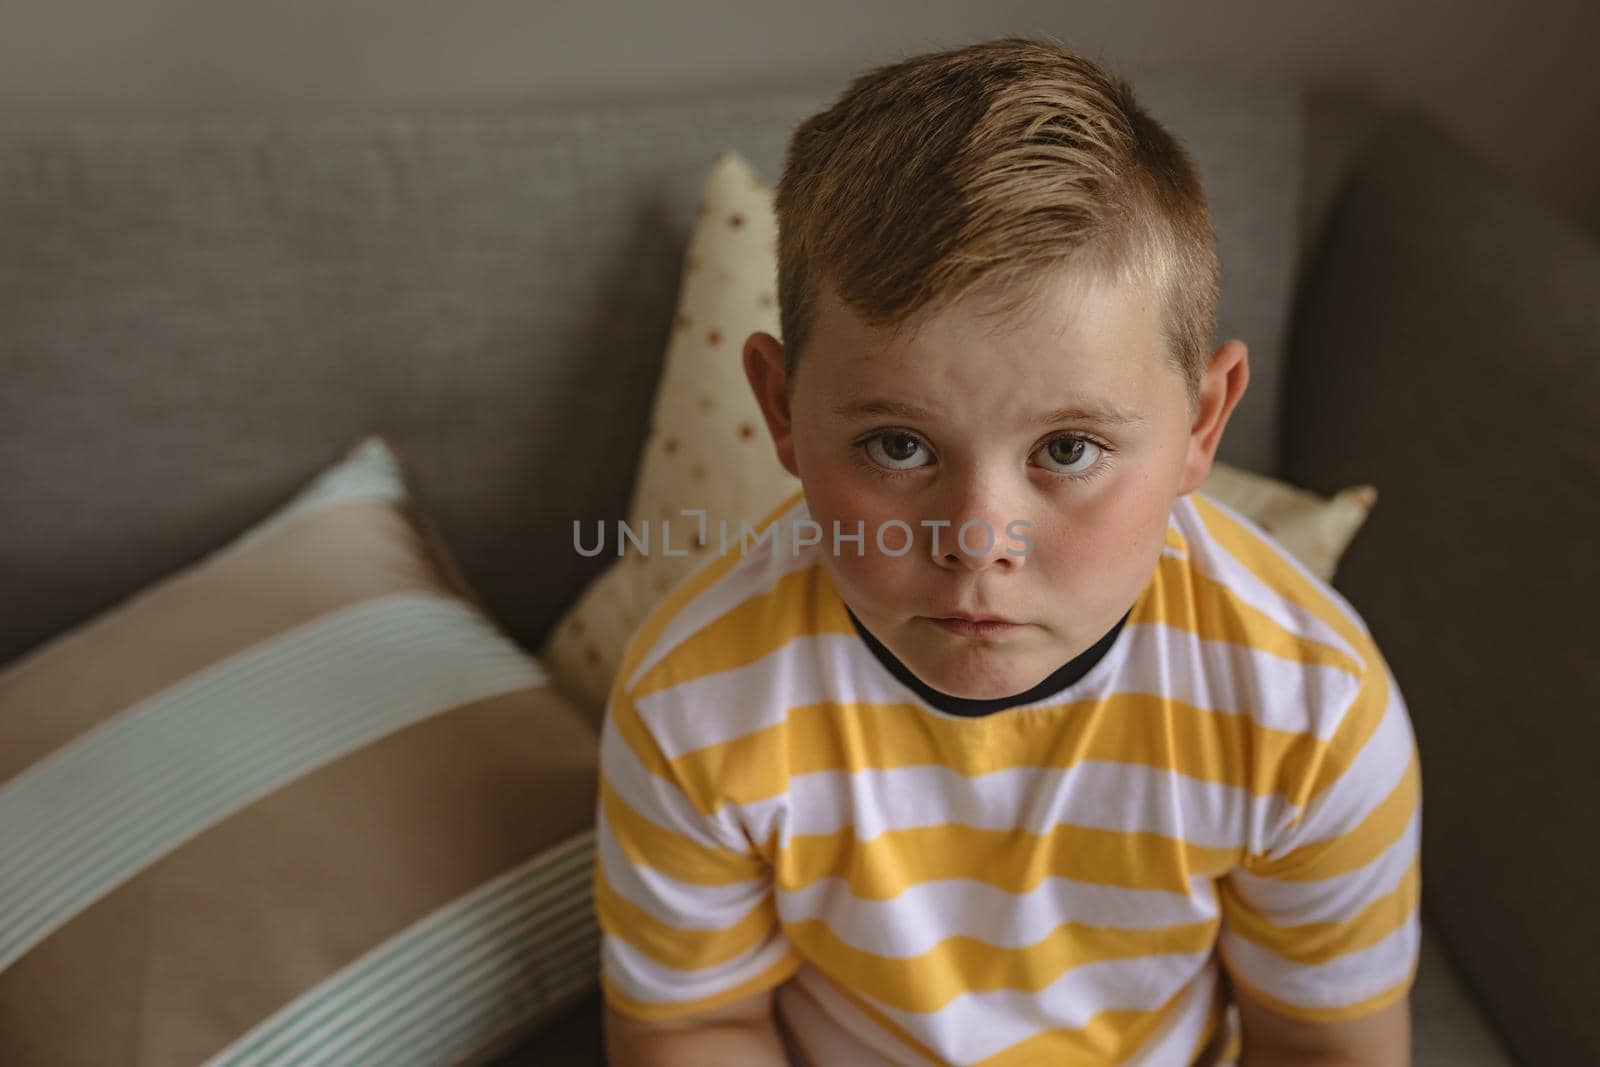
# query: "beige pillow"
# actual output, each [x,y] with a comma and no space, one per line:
[301,802]
[1316,531]
[708,447]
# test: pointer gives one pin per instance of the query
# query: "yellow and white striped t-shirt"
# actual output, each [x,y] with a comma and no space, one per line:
[1231,793]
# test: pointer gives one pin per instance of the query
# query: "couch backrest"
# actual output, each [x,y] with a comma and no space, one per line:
[198,312]
[1446,303]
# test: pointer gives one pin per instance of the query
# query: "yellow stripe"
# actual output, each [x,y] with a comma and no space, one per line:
[674,946]
[652,1011]
[656,623]
[1314,943]
[1013,860]
[759,625]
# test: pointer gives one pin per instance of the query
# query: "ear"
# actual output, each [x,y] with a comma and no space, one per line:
[763,366]
[1226,378]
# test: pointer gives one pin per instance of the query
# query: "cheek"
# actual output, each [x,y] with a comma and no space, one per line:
[1097,532]
[836,489]
[851,498]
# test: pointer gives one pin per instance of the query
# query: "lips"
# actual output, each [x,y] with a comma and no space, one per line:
[963,616]
[973,626]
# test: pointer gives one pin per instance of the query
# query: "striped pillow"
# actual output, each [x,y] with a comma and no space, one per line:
[300,803]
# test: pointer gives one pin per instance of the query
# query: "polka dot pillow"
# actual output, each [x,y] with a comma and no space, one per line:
[707,446]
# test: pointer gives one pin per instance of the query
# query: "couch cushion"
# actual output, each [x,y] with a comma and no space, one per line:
[196,309]
[300,797]
[1449,352]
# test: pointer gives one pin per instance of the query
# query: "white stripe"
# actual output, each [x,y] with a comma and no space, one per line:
[926,914]
[100,809]
[1347,979]
[755,574]
[1227,678]
[813,669]
[512,946]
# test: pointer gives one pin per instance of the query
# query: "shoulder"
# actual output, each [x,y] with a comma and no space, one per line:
[741,570]
[1319,680]
[738,609]
[1300,632]
[1324,702]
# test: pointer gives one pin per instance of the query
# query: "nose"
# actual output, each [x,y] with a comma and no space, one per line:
[976,531]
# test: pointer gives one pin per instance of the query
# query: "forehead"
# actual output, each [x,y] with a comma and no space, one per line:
[1081,342]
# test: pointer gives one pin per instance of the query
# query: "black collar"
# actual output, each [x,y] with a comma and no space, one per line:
[1058,680]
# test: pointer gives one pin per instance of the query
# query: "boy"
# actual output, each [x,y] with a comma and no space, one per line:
[1003,746]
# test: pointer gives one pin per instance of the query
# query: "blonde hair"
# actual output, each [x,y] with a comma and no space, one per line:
[991,170]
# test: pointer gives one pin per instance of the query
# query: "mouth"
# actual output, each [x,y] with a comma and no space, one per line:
[964,625]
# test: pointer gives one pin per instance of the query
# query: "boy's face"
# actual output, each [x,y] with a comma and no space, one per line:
[970,422]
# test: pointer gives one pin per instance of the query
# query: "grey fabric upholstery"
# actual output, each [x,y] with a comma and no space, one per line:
[197,313]
[1448,351]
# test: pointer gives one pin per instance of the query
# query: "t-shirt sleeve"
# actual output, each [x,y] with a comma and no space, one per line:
[1321,922]
[684,900]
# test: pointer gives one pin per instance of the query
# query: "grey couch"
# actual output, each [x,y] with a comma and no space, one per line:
[198,311]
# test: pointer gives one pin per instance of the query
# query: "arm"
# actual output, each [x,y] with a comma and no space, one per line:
[687,914]
[1322,923]
[741,1034]
[1381,1039]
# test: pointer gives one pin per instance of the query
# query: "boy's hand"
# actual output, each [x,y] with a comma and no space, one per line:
[1382,1039]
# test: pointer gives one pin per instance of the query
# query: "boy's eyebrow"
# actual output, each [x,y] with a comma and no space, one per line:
[1104,414]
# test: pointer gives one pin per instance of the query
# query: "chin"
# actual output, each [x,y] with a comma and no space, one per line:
[990,691]
[986,674]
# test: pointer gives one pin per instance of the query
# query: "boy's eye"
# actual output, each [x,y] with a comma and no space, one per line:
[1065,455]
[897,451]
